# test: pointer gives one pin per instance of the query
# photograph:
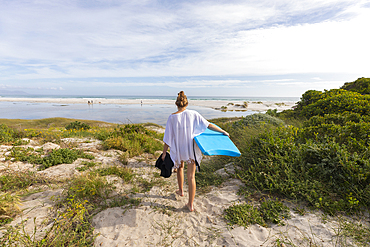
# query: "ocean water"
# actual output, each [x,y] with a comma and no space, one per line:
[118,113]
[222,98]
[112,113]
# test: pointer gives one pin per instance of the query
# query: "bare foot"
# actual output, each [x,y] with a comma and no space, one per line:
[191,209]
[179,193]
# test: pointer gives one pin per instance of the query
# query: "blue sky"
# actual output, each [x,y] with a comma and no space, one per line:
[206,48]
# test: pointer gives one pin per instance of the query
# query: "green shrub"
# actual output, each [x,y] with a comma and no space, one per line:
[339,119]
[257,120]
[6,134]
[272,113]
[325,174]
[270,211]
[243,215]
[63,156]
[26,155]
[91,187]
[361,85]
[335,101]
[356,136]
[308,98]
[55,157]
[123,172]
[274,211]
[134,139]
[350,129]
[325,162]
[76,125]
[103,134]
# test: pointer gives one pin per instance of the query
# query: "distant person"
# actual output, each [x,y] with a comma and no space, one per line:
[181,128]
[88,102]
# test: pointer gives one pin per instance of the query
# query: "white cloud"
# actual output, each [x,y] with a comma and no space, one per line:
[56,88]
[278,80]
[32,87]
[175,84]
[64,39]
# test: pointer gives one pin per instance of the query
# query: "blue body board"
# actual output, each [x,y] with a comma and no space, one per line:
[215,143]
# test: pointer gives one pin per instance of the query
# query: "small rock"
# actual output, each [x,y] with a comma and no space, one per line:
[50,146]
[228,169]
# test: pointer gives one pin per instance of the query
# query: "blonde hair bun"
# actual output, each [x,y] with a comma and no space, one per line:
[181,100]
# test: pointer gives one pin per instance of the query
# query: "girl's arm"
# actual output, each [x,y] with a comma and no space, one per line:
[165,148]
[218,129]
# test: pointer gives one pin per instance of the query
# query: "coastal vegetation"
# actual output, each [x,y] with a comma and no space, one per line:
[83,196]
[258,119]
[55,157]
[361,85]
[46,123]
[134,139]
[77,125]
[315,157]
[321,161]
[270,211]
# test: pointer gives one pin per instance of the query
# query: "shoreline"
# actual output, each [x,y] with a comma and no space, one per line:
[224,105]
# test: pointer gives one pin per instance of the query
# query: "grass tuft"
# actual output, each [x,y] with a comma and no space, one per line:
[123,172]
[16,180]
[270,211]
[55,157]
[8,207]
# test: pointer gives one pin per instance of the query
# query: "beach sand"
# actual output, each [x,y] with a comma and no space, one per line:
[161,219]
[214,104]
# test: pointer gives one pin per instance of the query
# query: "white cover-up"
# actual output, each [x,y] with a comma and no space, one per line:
[181,128]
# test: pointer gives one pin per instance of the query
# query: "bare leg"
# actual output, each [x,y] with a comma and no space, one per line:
[180,180]
[192,185]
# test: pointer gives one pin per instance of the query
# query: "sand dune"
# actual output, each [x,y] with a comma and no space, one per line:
[161,218]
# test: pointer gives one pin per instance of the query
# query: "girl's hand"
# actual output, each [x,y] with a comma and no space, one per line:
[218,129]
[164,153]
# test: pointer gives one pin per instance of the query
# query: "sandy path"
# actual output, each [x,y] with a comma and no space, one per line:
[162,220]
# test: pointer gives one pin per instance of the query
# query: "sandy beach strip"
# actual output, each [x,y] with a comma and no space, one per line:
[214,104]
